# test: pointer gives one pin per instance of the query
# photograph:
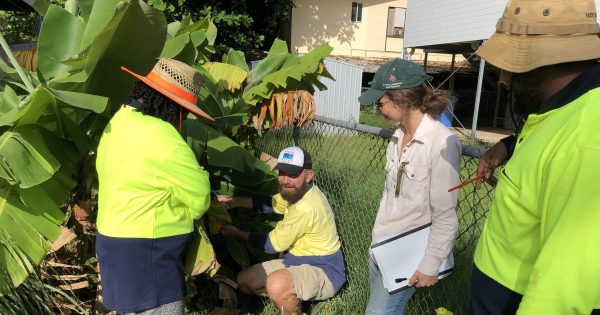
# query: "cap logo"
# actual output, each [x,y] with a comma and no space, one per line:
[392,78]
[288,156]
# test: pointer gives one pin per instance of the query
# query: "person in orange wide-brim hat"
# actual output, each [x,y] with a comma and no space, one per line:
[150,190]
[175,80]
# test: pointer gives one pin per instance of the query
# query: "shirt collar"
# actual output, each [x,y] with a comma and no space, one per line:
[424,127]
[422,132]
[586,81]
[135,104]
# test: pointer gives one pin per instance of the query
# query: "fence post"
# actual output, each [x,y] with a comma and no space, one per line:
[296,135]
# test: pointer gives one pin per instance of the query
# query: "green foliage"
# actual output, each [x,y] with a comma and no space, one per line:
[18,27]
[370,116]
[244,24]
[47,116]
[22,27]
[236,30]
[32,297]
[51,120]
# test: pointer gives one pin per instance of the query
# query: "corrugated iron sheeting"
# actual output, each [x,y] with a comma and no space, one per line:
[340,100]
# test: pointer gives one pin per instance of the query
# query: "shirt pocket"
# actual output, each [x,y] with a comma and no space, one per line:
[390,175]
[414,183]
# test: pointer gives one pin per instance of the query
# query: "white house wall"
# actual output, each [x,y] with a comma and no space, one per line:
[434,22]
[318,21]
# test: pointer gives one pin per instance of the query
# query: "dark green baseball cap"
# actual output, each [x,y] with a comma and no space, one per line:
[393,75]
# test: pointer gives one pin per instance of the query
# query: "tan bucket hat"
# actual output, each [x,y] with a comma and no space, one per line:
[175,80]
[535,33]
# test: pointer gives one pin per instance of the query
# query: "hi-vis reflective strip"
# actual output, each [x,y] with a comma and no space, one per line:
[171,88]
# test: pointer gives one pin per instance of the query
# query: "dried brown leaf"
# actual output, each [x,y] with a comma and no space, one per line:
[74,286]
[66,235]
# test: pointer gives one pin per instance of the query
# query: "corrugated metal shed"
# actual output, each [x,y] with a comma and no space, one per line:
[435,22]
[340,100]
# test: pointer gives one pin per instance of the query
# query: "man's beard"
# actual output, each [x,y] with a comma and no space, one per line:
[526,98]
[295,194]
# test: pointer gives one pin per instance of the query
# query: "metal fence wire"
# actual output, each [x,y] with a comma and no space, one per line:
[349,165]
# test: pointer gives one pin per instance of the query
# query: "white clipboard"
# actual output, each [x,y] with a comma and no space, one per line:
[399,257]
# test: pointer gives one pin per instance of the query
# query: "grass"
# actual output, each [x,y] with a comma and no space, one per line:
[370,116]
[349,168]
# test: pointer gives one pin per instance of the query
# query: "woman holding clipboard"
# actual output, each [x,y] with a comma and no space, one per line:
[423,161]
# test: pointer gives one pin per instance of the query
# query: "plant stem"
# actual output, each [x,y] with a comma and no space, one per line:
[66,296]
[16,65]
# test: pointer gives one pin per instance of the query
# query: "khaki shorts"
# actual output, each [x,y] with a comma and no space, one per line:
[311,282]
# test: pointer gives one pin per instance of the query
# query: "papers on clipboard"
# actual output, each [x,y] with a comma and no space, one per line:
[399,257]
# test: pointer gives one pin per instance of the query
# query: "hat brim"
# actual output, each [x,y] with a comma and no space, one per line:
[191,107]
[519,54]
[370,96]
[288,168]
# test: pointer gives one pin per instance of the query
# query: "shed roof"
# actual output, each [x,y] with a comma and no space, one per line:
[15,5]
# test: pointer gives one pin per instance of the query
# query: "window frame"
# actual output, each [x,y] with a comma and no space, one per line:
[356,13]
[390,26]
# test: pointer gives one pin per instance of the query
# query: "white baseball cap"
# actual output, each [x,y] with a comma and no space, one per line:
[293,160]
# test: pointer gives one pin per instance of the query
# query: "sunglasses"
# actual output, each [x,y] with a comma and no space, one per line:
[379,103]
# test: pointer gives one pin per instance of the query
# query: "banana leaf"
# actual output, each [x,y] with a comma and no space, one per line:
[58,25]
[228,77]
[46,133]
[29,218]
[236,58]
[280,72]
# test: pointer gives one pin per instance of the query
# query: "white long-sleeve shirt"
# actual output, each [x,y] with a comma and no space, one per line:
[431,164]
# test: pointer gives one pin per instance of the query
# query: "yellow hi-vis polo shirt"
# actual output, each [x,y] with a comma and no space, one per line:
[542,237]
[308,226]
[150,183]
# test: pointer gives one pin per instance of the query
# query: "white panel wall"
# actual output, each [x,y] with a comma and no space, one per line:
[340,100]
[433,22]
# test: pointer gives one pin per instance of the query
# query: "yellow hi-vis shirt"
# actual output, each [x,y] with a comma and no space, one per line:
[150,183]
[308,226]
[541,238]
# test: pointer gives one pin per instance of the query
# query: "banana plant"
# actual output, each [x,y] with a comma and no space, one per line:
[231,92]
[50,119]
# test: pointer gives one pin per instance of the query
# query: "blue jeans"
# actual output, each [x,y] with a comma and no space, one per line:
[380,301]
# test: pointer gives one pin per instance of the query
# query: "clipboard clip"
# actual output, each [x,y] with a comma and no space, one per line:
[398,280]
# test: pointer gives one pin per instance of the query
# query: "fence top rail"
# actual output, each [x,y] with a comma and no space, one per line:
[467,150]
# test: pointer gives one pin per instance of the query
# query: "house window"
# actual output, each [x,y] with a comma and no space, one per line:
[357,11]
[395,25]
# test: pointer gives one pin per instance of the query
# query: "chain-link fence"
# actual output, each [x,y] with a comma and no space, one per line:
[349,165]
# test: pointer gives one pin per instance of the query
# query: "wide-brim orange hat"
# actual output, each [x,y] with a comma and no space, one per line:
[536,33]
[175,80]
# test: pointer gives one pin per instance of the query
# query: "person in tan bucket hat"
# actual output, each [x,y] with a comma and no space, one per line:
[538,252]
[151,188]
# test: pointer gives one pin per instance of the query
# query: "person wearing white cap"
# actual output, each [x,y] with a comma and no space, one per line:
[313,266]
[151,188]
[538,252]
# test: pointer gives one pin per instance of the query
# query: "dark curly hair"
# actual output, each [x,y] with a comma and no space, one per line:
[427,100]
[156,104]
